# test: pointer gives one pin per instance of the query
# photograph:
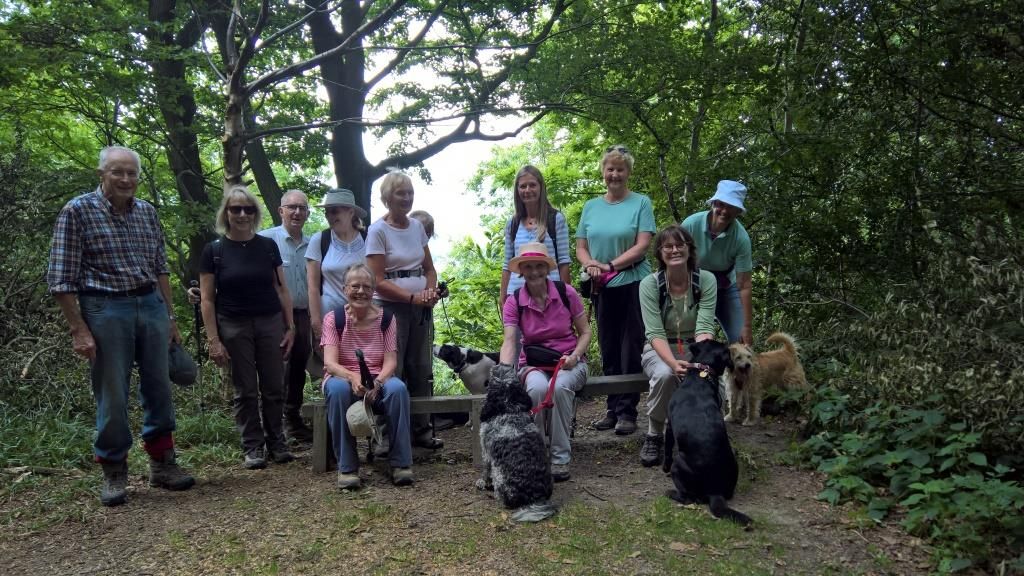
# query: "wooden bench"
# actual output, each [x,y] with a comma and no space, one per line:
[470,403]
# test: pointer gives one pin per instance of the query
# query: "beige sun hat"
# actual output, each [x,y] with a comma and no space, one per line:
[531,252]
[361,421]
[341,197]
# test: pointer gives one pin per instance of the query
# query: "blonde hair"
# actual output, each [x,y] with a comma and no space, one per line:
[234,191]
[392,181]
[618,152]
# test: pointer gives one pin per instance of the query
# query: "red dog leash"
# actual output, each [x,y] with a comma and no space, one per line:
[547,402]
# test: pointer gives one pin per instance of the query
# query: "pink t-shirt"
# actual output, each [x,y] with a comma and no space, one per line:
[370,340]
[552,326]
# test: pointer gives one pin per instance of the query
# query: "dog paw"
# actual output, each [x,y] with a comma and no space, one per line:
[482,484]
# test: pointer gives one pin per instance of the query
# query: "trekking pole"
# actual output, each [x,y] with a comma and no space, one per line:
[197,327]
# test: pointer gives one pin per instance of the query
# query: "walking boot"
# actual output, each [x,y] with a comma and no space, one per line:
[115,482]
[165,473]
[296,430]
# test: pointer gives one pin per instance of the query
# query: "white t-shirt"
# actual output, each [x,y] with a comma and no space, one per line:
[340,257]
[403,249]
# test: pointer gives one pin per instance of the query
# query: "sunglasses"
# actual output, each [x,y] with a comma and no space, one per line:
[250,210]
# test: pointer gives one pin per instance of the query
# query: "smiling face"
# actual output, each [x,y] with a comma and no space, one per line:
[119,178]
[722,215]
[359,288]
[528,188]
[294,211]
[340,219]
[616,174]
[534,272]
[241,214]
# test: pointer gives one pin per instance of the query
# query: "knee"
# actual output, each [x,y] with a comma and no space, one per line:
[394,387]
[337,389]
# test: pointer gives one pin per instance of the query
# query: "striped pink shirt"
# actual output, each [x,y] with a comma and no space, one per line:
[370,340]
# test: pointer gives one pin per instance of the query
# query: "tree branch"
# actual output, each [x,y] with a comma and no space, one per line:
[404,51]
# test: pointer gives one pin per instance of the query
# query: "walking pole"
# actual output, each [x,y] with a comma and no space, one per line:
[197,327]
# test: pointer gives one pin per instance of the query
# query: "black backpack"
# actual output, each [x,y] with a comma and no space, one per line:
[339,320]
[513,228]
[695,290]
[560,286]
[325,245]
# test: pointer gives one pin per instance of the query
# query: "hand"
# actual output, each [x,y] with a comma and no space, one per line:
[372,395]
[357,386]
[83,343]
[175,334]
[194,296]
[747,336]
[287,342]
[219,354]
[317,324]
[681,367]
[569,361]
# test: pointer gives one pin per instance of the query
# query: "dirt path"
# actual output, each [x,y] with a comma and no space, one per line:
[614,520]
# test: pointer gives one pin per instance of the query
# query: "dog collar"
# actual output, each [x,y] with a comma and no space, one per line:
[705,370]
[458,369]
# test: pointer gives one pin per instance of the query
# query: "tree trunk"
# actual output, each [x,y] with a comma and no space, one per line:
[705,98]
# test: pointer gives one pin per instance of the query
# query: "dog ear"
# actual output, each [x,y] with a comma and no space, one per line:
[473,356]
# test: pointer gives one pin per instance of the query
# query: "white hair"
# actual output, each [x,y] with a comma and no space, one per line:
[105,154]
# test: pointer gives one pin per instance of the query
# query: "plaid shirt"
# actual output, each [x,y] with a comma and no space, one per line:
[95,248]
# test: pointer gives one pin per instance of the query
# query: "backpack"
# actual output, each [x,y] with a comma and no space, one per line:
[695,290]
[513,228]
[339,320]
[560,286]
[218,249]
[325,245]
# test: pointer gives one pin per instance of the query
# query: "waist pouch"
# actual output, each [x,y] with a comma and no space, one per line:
[541,356]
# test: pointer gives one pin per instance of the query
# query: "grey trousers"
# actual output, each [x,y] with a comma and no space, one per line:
[663,382]
[415,326]
[254,345]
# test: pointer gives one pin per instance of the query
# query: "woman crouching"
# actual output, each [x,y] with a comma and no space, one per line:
[547,321]
[364,329]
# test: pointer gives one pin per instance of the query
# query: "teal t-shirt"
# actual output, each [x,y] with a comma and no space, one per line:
[611,229]
[730,247]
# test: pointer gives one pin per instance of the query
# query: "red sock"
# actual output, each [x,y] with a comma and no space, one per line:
[156,447]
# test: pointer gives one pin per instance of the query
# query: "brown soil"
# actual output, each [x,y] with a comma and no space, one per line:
[283,513]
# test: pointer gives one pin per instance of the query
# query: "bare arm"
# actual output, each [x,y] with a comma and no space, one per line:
[506,276]
[508,345]
[635,253]
[316,316]
[286,311]
[82,341]
[563,274]
[334,368]
[582,325]
[664,351]
[387,367]
[164,282]
[208,292]
[744,283]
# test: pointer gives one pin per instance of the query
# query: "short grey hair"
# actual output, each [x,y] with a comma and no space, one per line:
[105,155]
[361,268]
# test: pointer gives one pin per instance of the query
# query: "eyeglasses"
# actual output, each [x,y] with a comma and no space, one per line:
[250,210]
[337,209]
[617,148]
[359,287]
[129,174]
[295,207]
[675,247]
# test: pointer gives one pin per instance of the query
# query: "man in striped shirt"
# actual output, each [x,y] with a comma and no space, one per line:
[108,272]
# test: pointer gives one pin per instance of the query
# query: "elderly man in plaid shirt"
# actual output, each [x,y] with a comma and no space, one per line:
[108,272]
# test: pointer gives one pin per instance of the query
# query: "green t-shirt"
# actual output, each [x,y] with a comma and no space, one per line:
[680,319]
[730,247]
[611,229]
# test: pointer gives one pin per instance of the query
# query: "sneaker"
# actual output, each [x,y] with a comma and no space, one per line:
[559,472]
[650,452]
[115,483]
[256,459]
[297,431]
[347,480]
[402,476]
[281,455]
[165,473]
[624,427]
[606,423]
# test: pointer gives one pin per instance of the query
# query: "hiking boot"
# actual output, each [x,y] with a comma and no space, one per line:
[166,473]
[296,430]
[383,449]
[348,480]
[402,476]
[650,452]
[606,423]
[559,472]
[281,455]
[428,441]
[624,427]
[115,482]
[256,459]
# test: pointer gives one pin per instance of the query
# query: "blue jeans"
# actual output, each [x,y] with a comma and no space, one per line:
[127,330]
[394,401]
[729,312]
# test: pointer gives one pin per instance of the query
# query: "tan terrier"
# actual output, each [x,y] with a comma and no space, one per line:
[752,373]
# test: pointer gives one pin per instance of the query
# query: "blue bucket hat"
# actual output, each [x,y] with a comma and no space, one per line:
[730,192]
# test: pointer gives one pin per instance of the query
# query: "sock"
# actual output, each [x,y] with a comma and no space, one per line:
[655,427]
[156,447]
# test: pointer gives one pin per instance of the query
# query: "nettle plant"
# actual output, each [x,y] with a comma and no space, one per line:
[888,457]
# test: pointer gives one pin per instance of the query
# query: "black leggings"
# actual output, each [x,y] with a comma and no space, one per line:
[620,335]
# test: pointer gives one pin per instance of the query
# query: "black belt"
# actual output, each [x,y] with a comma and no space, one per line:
[403,274]
[147,289]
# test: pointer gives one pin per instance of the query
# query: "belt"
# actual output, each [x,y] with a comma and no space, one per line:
[403,274]
[147,289]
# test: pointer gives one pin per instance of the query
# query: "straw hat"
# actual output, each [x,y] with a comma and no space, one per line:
[342,197]
[730,192]
[361,421]
[531,252]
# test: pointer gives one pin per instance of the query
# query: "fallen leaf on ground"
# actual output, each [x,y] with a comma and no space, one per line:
[684,546]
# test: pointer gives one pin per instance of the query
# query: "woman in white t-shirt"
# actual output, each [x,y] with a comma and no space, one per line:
[397,252]
[325,273]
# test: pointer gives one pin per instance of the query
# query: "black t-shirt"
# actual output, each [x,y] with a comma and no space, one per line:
[246,285]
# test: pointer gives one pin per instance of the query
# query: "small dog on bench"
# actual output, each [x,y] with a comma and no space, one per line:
[704,470]
[472,366]
[515,461]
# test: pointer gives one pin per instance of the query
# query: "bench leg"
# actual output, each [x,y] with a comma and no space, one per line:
[321,443]
[474,416]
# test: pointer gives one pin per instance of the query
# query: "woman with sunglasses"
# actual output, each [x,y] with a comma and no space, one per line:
[325,273]
[612,239]
[248,316]
[676,313]
[397,252]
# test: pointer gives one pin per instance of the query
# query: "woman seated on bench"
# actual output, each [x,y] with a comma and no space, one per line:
[546,313]
[342,386]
